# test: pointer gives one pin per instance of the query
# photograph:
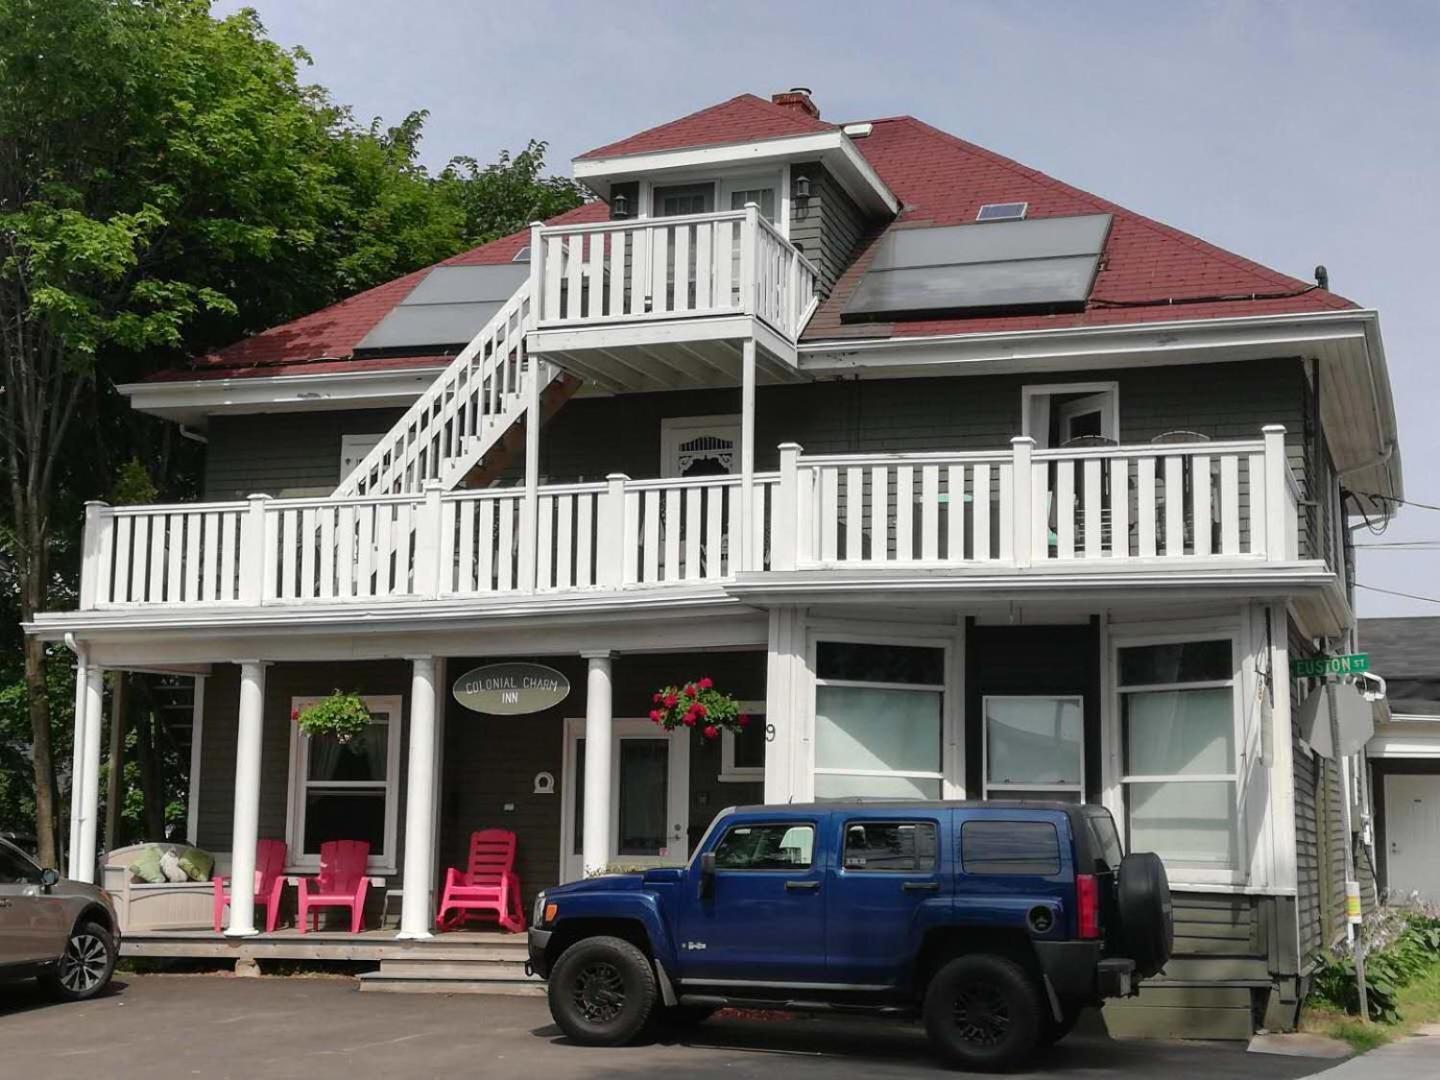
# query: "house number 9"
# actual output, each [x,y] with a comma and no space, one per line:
[769,732]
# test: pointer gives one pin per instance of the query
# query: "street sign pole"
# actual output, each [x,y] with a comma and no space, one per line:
[1358,944]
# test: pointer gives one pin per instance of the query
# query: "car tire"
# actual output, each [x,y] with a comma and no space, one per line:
[1147,919]
[84,969]
[602,991]
[984,1012]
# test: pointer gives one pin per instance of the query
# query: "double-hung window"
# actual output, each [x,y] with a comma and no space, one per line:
[1035,747]
[879,720]
[1178,752]
[346,791]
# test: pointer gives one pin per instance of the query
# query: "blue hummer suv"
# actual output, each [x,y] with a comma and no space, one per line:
[997,922]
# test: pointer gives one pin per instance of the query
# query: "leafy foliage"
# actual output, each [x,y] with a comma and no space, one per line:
[1414,951]
[342,714]
[697,704]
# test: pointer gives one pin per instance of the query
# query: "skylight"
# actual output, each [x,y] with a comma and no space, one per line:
[1045,264]
[1002,211]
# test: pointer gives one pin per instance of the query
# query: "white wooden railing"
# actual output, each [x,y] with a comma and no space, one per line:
[470,405]
[729,263]
[1020,508]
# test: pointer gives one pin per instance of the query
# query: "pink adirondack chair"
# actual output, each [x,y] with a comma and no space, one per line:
[269,883]
[489,887]
[341,883]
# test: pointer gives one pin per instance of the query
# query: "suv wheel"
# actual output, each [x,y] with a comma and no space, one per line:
[86,965]
[984,1012]
[602,991]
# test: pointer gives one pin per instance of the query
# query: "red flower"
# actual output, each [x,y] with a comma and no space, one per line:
[689,720]
[711,731]
[657,697]
[706,683]
[744,720]
[690,690]
[656,715]
[699,709]
[294,714]
[670,701]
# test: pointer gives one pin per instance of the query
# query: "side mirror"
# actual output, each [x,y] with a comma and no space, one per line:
[707,875]
[49,878]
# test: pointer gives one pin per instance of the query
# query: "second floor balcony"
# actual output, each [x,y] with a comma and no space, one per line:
[1128,515]
[665,302]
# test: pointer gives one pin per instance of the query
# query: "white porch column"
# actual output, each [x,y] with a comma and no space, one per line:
[246,821]
[419,803]
[599,729]
[89,782]
[750,558]
[77,771]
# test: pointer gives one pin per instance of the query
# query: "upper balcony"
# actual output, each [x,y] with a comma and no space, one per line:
[1122,519]
[669,302]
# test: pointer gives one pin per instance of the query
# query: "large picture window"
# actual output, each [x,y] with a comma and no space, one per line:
[1178,752]
[879,721]
[1034,747]
[346,791]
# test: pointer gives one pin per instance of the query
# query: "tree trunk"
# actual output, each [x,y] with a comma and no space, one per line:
[115,781]
[147,755]
[47,825]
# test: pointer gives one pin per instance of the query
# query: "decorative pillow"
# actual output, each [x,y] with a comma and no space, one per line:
[170,867]
[197,864]
[146,866]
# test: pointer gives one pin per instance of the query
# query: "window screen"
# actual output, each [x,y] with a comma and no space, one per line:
[1010,847]
[896,846]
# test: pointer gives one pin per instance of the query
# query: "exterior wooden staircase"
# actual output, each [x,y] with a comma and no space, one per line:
[474,408]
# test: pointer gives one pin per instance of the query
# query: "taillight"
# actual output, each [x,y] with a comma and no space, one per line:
[1087,905]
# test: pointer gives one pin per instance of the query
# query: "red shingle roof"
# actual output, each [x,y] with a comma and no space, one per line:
[742,119]
[943,180]
[940,180]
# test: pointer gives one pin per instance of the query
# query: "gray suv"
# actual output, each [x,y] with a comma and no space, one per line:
[62,932]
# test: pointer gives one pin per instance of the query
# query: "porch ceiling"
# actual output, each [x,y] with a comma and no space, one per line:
[680,354]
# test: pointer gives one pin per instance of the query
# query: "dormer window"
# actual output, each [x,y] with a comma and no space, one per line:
[681,199]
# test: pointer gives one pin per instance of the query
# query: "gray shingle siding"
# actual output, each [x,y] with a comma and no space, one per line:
[828,226]
[271,453]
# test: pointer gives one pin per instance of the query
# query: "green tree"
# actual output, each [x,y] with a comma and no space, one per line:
[508,195]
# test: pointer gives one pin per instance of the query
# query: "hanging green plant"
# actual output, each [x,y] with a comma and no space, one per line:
[342,715]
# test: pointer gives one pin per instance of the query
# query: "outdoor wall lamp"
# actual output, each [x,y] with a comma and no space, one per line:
[620,205]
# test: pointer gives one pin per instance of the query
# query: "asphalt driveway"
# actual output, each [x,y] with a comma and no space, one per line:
[152,1026]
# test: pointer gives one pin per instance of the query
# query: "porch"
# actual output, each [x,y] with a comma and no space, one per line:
[1107,513]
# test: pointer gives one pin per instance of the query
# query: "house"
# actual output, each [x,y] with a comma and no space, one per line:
[1404,756]
[968,482]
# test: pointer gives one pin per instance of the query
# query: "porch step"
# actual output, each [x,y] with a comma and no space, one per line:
[1182,1012]
[492,969]
[426,967]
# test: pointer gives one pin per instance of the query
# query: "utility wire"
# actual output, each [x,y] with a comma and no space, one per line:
[1394,592]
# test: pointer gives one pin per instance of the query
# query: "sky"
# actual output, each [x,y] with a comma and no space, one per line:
[1293,133]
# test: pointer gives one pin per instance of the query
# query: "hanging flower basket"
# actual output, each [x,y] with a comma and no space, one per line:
[342,715]
[698,704]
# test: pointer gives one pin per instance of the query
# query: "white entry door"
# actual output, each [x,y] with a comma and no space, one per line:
[1412,828]
[649,797]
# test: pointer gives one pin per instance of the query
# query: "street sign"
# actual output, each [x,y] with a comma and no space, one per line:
[1316,666]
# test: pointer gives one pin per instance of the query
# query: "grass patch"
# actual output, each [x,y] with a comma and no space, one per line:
[1416,1003]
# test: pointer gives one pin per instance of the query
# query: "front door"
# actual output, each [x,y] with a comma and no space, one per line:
[1412,826]
[764,921]
[649,797]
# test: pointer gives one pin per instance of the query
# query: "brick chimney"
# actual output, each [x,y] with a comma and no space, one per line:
[797,98]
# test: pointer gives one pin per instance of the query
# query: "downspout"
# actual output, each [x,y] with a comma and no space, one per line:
[193,436]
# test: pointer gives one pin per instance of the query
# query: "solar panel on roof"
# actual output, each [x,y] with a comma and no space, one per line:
[1002,211]
[448,308]
[1040,263]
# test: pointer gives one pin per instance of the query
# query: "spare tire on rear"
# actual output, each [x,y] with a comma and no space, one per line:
[1147,922]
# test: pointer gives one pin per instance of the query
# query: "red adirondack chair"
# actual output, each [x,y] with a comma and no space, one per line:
[341,883]
[489,887]
[269,882]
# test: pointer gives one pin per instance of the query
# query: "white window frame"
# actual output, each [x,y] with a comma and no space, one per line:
[675,430]
[391,706]
[724,182]
[731,773]
[946,690]
[1137,637]
[986,786]
[1035,407]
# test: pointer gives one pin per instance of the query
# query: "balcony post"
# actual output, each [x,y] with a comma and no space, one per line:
[245,819]
[1022,527]
[1278,504]
[90,567]
[611,543]
[749,240]
[785,522]
[252,553]
[529,509]
[419,803]
[90,775]
[750,558]
[537,273]
[599,738]
[428,571]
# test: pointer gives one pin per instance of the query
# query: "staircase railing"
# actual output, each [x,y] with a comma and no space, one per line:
[479,394]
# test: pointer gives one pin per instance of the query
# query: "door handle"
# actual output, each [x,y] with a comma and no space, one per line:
[4,902]
[802,886]
[921,886]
